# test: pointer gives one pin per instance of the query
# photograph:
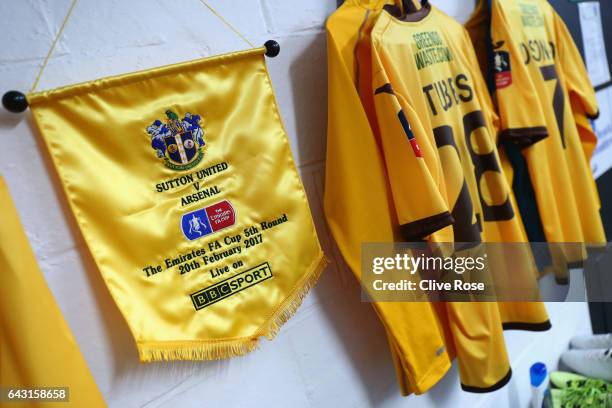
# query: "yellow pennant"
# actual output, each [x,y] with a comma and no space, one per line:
[182,181]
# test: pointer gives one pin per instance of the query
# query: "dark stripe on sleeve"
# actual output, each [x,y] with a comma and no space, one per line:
[536,327]
[593,117]
[494,387]
[576,264]
[417,230]
[523,137]
[386,88]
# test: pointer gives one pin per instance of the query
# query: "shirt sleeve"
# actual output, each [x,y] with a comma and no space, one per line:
[588,138]
[355,166]
[575,75]
[522,119]
[581,93]
[413,167]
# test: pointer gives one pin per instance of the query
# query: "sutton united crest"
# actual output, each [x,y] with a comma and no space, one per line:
[178,142]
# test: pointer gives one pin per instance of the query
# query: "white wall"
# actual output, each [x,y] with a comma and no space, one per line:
[333,352]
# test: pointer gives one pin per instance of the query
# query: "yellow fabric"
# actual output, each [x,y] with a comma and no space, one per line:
[358,204]
[359,208]
[170,208]
[548,86]
[493,211]
[433,109]
[350,178]
[579,136]
[588,138]
[37,348]
[528,315]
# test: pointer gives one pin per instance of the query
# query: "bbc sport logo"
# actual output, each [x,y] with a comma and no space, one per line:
[204,221]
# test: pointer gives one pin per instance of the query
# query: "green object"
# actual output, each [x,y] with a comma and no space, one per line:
[556,398]
[563,379]
[577,391]
[171,115]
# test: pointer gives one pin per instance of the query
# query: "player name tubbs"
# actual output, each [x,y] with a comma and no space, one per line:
[191,177]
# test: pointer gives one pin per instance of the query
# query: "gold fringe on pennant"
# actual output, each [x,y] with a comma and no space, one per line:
[223,349]
[195,350]
[290,305]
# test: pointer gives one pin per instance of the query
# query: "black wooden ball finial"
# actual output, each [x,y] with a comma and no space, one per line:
[14,101]
[272,48]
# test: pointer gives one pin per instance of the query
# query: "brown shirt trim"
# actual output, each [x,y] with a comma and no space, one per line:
[523,137]
[417,230]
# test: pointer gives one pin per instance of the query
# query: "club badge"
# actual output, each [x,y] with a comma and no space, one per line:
[503,71]
[178,142]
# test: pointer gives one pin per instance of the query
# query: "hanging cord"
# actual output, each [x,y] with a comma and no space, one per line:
[61,30]
[227,23]
[57,37]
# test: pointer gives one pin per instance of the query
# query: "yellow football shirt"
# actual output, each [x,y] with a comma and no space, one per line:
[358,204]
[580,137]
[542,89]
[359,208]
[435,124]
